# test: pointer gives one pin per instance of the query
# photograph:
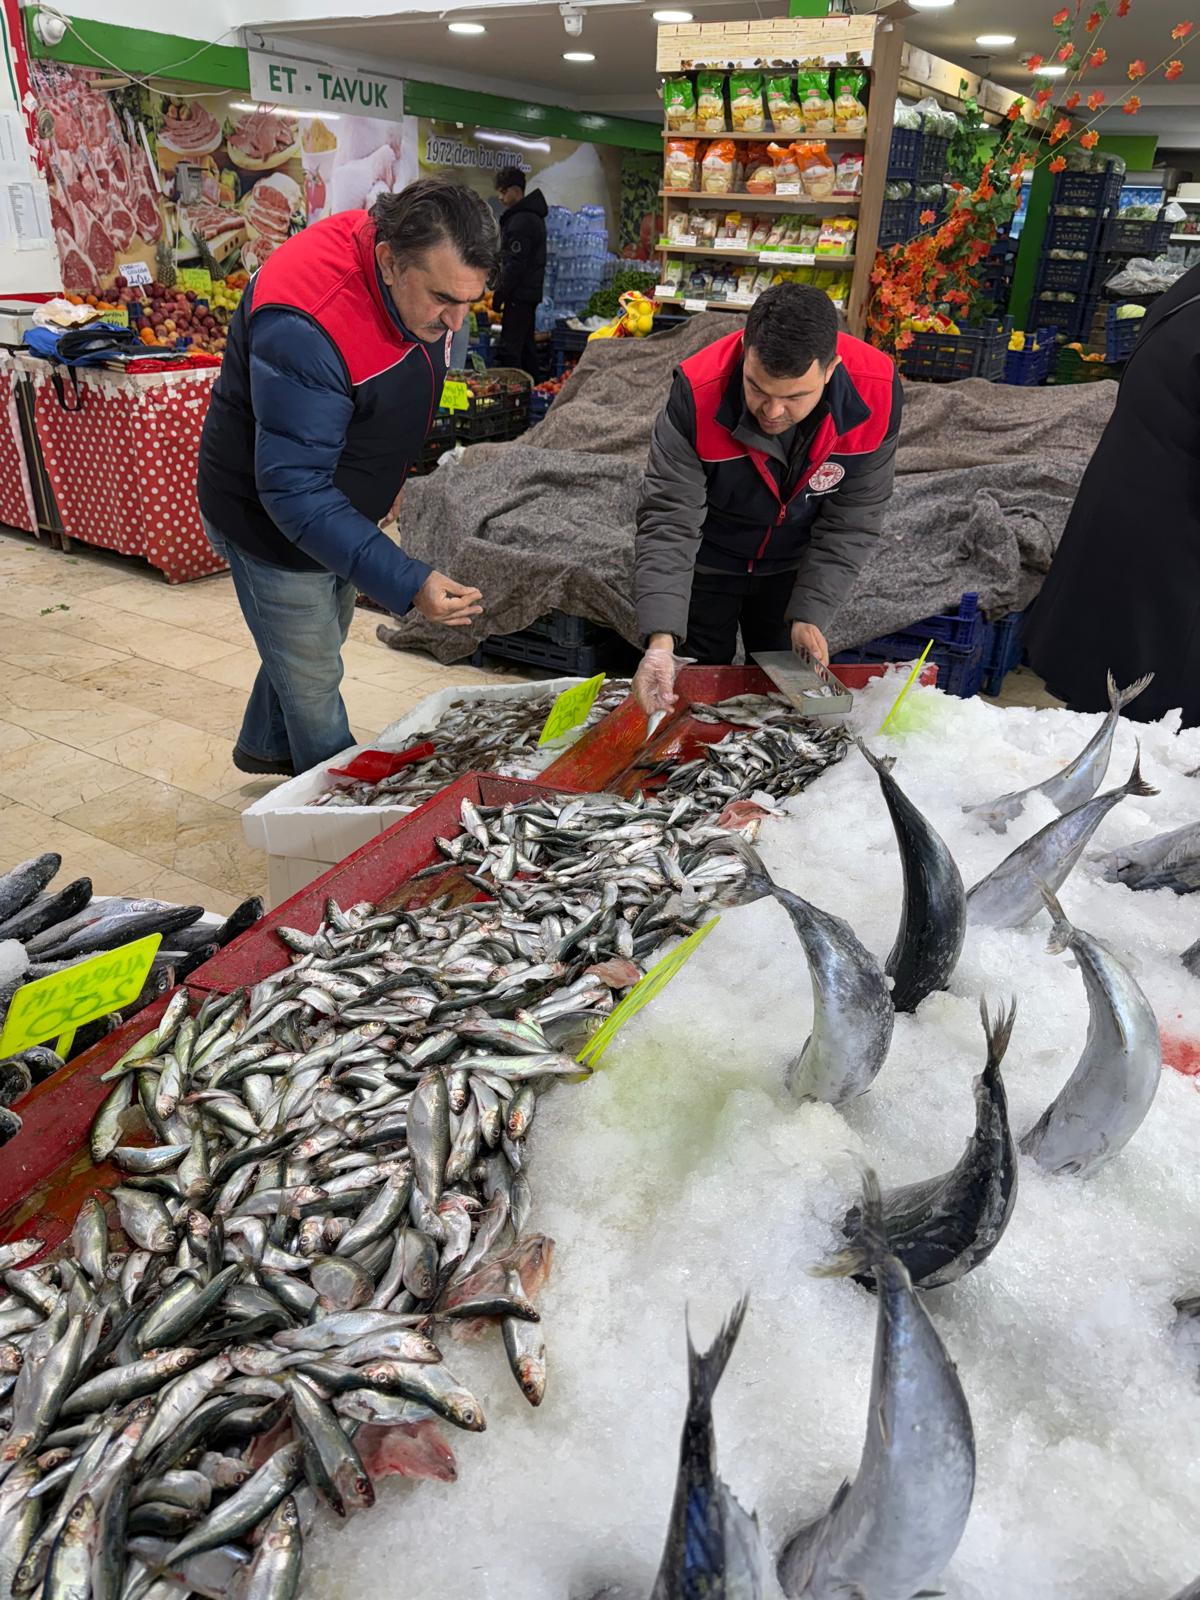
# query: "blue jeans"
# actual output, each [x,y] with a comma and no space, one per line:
[299,621]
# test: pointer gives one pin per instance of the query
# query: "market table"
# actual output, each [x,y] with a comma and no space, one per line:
[121,462]
[17,509]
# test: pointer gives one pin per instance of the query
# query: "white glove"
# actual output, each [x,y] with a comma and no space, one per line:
[654,681]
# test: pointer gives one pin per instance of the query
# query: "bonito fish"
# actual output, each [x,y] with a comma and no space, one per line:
[1167,861]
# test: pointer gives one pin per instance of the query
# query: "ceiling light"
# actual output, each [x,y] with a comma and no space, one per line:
[930,5]
[513,140]
[672,16]
[996,41]
[578,55]
[1050,72]
[467,27]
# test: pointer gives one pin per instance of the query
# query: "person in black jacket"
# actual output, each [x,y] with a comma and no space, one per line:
[522,268]
[331,379]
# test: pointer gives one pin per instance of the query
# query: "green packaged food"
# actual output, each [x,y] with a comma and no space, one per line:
[746,102]
[679,102]
[816,106]
[710,102]
[783,104]
[849,101]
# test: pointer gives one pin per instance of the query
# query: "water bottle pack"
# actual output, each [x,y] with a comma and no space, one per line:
[576,261]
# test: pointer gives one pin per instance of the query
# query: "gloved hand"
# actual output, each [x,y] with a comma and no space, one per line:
[654,680]
[807,636]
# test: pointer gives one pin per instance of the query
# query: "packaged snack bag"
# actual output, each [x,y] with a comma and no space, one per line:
[784,105]
[716,175]
[810,233]
[849,175]
[849,101]
[702,225]
[760,170]
[760,233]
[817,172]
[710,102]
[672,272]
[678,227]
[787,173]
[679,103]
[777,234]
[679,166]
[816,106]
[746,102]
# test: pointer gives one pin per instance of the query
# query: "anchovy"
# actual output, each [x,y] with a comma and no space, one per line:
[942,1228]
[1076,783]
[1105,1100]
[933,920]
[1010,894]
[1167,861]
[891,1532]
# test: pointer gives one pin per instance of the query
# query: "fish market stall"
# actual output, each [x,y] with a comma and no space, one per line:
[120,459]
[397,1143]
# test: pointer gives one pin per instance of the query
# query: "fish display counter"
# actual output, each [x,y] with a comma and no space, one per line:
[862,1260]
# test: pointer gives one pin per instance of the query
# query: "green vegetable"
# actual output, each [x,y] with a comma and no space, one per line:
[607,302]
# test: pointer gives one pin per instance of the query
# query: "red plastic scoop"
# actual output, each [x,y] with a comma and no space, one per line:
[374,765]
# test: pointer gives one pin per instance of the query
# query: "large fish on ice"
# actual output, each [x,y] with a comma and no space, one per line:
[1167,861]
[890,1533]
[933,920]
[1104,1101]
[853,1014]
[1011,894]
[713,1550]
[1078,781]
[942,1228]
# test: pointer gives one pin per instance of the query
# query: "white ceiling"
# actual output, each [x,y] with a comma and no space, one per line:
[521,52]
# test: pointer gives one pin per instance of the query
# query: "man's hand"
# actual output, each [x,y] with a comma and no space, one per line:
[442,600]
[654,680]
[807,636]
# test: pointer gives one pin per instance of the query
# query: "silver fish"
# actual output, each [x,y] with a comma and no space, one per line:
[1167,861]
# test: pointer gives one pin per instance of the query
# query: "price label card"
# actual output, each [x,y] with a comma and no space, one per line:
[136,274]
[455,396]
[787,188]
[118,317]
[571,708]
[642,993]
[695,305]
[53,1007]
[197,278]
[663,291]
[687,240]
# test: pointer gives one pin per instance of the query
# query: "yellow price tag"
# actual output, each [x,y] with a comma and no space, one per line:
[53,1007]
[455,396]
[117,318]
[642,993]
[197,278]
[571,708]
[899,700]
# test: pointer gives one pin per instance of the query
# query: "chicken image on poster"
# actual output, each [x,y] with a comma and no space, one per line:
[349,161]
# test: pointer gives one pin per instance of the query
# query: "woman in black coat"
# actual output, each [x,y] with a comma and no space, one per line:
[1123,591]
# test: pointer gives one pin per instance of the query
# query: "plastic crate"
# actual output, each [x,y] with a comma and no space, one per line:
[904,153]
[971,353]
[1028,367]
[1069,276]
[499,424]
[539,404]
[1004,645]
[960,667]
[1120,335]
[1136,238]
[1072,233]
[1099,191]
[897,221]
[1070,367]
[563,644]
[1068,320]
[931,163]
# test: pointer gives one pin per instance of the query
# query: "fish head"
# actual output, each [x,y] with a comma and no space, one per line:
[465,1410]
[531,1375]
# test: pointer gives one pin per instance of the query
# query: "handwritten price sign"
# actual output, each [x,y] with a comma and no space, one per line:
[53,1007]
[642,993]
[455,396]
[571,708]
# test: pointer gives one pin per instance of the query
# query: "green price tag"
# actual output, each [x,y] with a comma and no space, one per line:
[197,278]
[117,318]
[642,993]
[455,397]
[53,1007]
[571,708]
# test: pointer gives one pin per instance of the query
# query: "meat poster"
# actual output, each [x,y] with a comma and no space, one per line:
[348,161]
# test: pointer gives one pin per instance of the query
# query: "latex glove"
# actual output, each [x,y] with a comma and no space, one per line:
[442,600]
[807,636]
[654,681]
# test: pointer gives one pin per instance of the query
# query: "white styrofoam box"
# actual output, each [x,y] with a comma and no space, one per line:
[286,823]
[287,875]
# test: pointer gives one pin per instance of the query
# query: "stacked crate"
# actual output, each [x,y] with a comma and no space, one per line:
[1071,269]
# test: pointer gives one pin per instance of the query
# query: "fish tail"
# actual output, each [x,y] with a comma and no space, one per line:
[706,1366]
[869,1244]
[881,764]
[1136,783]
[1062,932]
[999,1031]
[756,883]
[1118,699]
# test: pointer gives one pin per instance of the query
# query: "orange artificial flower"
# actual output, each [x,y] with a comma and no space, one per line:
[1071,101]
[1064,51]
[1060,17]
[1174,70]
[1123,8]
[1182,29]
[1090,139]
[1042,98]
[1136,70]
[1059,164]
[926,218]
[1093,22]
[1095,100]
[1014,111]
[1098,57]
[1060,130]
[1034,62]
[1131,106]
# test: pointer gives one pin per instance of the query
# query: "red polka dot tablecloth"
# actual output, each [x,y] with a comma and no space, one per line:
[123,466]
[17,509]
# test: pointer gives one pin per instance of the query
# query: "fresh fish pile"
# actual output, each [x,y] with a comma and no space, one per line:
[772,750]
[491,734]
[336,1186]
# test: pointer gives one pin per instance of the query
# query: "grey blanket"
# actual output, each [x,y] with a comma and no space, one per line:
[985,477]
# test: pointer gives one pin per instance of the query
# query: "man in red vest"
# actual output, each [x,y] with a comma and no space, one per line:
[770,467]
[332,376]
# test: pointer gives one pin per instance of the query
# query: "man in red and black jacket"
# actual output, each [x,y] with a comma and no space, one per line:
[769,470]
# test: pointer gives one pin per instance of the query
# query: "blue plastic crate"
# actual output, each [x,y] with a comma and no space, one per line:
[931,164]
[1072,233]
[904,153]
[1071,276]
[1069,321]
[897,222]
[1099,191]
[1029,367]
[1120,335]
[1004,645]
[539,404]
[970,353]
[959,642]
[1131,237]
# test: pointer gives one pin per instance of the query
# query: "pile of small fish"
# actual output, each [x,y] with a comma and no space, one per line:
[771,750]
[336,1183]
[496,734]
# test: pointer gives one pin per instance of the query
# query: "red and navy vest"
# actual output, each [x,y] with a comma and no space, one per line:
[750,525]
[328,274]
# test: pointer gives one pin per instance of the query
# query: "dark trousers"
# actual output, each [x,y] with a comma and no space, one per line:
[516,347]
[721,601]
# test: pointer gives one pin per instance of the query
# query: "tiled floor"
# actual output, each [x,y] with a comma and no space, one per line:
[119,701]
